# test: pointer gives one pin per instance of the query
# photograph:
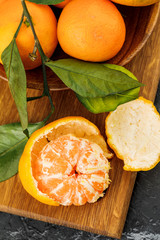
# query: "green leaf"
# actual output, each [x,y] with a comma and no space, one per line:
[17,80]
[46,2]
[12,142]
[111,102]
[92,79]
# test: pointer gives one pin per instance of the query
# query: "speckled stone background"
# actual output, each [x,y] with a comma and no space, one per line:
[143,220]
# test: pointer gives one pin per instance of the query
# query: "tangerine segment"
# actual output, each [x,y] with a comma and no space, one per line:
[91,159]
[91,194]
[79,195]
[99,181]
[63,193]
[60,167]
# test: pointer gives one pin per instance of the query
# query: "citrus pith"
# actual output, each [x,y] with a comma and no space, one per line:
[133,132]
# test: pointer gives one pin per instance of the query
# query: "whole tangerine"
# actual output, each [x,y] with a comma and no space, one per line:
[92,31]
[45,25]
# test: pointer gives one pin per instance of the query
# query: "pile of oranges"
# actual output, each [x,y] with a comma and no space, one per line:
[91,30]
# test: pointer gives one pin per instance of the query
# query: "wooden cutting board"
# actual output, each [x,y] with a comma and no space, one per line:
[107,216]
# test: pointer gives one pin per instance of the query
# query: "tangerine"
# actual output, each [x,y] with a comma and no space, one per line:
[45,25]
[91,30]
[66,162]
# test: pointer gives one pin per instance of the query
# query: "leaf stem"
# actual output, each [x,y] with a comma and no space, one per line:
[26,13]
[44,58]
[46,89]
[34,98]
[17,31]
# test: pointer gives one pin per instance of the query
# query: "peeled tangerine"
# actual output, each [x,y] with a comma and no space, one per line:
[66,163]
[133,132]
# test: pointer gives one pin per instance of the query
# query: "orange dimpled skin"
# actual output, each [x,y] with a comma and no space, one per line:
[71,171]
[92,31]
[45,25]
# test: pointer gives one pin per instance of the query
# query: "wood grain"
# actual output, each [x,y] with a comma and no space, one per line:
[107,216]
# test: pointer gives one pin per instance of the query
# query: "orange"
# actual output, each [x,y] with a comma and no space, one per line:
[62,4]
[91,30]
[66,163]
[45,25]
[133,132]
[136,2]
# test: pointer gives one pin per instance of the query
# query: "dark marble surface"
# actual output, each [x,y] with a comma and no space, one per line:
[143,219]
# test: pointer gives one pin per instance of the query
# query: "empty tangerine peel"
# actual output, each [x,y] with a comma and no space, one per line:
[59,167]
[133,132]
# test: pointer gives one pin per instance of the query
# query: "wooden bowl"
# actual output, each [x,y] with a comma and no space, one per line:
[140,22]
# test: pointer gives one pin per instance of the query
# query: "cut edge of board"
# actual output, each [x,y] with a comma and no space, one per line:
[39,217]
[106,232]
